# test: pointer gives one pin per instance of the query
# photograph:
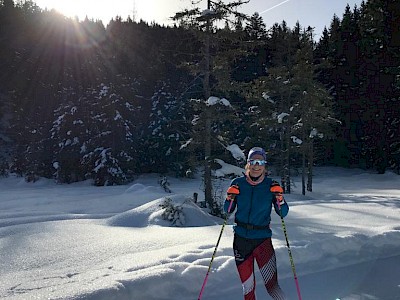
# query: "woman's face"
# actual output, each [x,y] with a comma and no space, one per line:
[256,170]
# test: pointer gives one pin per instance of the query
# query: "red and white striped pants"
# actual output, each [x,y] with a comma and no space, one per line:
[262,251]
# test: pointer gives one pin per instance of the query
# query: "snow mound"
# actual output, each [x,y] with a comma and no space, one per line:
[137,217]
[14,180]
[151,213]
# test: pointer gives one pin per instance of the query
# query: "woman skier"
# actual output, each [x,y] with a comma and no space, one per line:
[253,196]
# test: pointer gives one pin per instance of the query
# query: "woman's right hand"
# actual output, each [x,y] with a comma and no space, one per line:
[232,192]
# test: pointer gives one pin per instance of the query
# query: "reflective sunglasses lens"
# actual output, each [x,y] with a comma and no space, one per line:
[260,162]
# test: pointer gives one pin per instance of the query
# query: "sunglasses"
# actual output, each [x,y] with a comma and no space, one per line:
[259,162]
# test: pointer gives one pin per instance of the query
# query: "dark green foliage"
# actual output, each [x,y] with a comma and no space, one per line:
[172,212]
[94,136]
[362,69]
[79,100]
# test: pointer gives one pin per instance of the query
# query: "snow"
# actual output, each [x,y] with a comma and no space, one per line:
[296,140]
[187,143]
[236,152]
[83,242]
[215,100]
[267,97]
[315,133]
[227,169]
[281,116]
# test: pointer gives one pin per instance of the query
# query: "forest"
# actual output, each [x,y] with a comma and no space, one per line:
[85,100]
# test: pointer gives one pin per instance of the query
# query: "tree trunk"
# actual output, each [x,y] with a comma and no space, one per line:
[310,165]
[207,143]
[303,172]
[287,167]
[282,172]
[207,163]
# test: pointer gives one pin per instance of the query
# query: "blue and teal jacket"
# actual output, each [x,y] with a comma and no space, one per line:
[253,208]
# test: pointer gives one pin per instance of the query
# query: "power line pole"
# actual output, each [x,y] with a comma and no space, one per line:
[134,12]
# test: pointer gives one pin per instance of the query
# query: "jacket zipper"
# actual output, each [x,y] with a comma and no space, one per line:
[251,206]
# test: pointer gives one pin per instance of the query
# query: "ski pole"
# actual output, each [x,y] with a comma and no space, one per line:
[215,251]
[290,252]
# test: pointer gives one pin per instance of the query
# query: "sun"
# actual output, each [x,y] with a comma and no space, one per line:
[71,8]
[102,10]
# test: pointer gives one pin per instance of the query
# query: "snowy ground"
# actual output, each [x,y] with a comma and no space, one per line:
[83,242]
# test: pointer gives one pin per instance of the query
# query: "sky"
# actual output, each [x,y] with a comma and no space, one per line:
[314,13]
[79,241]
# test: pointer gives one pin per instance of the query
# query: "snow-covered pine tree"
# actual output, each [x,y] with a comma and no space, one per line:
[95,137]
[289,103]
[216,112]
[203,20]
[168,125]
[67,135]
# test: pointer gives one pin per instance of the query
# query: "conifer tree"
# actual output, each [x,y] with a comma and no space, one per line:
[291,105]
[255,28]
[170,118]
[94,137]
[216,10]
[316,118]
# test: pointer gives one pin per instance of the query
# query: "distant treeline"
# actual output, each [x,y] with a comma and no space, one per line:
[79,100]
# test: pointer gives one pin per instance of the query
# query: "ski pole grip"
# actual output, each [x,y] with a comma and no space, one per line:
[277,190]
[233,190]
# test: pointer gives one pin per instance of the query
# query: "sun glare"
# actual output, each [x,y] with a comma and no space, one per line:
[104,10]
[73,8]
